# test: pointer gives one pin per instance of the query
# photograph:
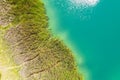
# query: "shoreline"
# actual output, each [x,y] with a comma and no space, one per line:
[63,36]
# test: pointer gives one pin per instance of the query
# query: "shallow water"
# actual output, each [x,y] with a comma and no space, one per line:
[93,32]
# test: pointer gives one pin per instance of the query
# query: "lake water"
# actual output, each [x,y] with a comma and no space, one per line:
[92,30]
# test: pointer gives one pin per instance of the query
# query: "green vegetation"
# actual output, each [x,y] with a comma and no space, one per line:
[28,51]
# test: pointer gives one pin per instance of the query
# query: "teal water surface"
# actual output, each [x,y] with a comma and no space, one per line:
[93,31]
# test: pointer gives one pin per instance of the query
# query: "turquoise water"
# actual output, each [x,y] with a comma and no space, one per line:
[93,32]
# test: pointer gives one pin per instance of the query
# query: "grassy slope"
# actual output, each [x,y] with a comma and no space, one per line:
[27,49]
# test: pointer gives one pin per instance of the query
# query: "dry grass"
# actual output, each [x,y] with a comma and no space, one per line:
[31,44]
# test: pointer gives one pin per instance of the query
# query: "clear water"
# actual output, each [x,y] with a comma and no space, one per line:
[93,32]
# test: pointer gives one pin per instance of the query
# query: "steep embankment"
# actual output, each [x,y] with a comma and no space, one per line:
[27,49]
